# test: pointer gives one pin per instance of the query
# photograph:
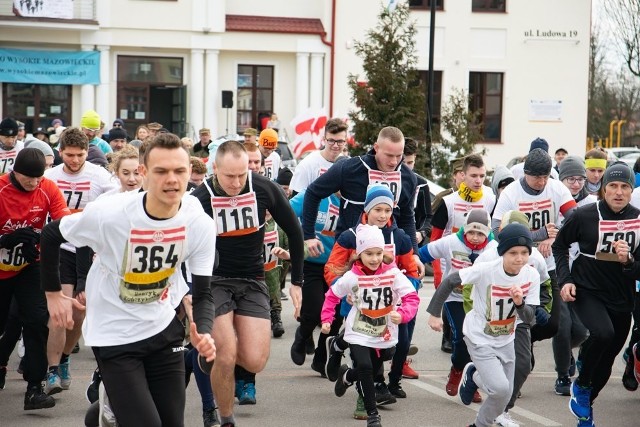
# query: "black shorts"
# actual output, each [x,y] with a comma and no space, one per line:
[246,297]
[68,272]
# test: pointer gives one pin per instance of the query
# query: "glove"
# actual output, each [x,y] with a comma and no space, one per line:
[30,252]
[26,235]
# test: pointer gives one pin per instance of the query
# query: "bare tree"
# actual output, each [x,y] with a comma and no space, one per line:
[625,19]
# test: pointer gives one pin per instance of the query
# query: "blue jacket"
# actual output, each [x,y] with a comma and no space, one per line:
[326,239]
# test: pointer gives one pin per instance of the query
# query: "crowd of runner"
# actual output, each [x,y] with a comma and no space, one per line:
[169,258]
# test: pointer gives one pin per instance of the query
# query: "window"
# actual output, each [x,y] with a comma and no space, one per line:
[425,4]
[255,95]
[485,90]
[37,105]
[488,5]
[437,92]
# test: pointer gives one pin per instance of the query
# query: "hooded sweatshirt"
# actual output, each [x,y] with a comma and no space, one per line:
[499,174]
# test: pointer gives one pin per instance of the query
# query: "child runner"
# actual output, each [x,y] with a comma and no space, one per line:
[499,291]
[460,250]
[376,288]
[377,211]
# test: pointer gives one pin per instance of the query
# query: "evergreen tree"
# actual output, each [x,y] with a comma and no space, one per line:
[390,92]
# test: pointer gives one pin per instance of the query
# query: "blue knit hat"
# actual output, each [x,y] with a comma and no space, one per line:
[376,194]
[539,143]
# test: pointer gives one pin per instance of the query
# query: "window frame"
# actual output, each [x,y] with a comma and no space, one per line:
[426,5]
[487,8]
[478,101]
[254,111]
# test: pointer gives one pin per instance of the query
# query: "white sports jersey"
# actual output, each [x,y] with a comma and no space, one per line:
[458,208]
[310,168]
[135,281]
[492,320]
[8,157]
[80,188]
[456,256]
[635,197]
[541,209]
[368,324]
[272,166]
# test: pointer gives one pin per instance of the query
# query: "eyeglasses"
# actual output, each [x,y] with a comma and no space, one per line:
[573,179]
[339,142]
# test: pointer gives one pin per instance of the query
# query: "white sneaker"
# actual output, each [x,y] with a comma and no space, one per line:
[21,348]
[505,420]
[107,417]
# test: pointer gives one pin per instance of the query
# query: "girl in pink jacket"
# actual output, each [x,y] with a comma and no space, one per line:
[371,330]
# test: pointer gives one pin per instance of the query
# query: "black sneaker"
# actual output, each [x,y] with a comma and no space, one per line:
[396,390]
[298,353]
[210,418]
[446,345]
[36,398]
[467,388]
[93,391]
[310,346]
[3,375]
[383,395]
[276,324]
[374,420]
[628,378]
[334,359]
[76,348]
[319,368]
[563,386]
[341,385]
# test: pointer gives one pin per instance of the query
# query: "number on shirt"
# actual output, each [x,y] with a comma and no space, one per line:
[151,259]
[242,219]
[13,256]
[538,219]
[6,163]
[373,297]
[69,194]
[609,237]
[510,306]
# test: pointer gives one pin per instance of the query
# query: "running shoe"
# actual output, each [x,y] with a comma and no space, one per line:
[408,372]
[396,390]
[361,412]
[93,391]
[341,385]
[505,420]
[453,383]
[36,398]
[468,387]
[65,374]
[580,402]
[383,395]
[563,386]
[52,385]
[310,346]
[298,349]
[248,395]
[374,420]
[210,418]
[636,362]
[628,377]
[413,349]
[334,359]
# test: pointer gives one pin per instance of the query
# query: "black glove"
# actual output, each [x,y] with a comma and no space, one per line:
[30,252]
[26,235]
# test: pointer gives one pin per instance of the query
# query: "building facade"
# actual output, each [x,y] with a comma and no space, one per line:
[169,61]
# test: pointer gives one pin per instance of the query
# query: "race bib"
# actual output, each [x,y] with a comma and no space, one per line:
[460,212]
[268,169]
[7,159]
[331,220]
[390,179]
[236,216]
[610,231]
[11,259]
[459,260]
[501,317]
[270,242]
[151,258]
[375,295]
[75,193]
[540,212]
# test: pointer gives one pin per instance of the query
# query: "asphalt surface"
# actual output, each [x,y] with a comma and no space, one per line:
[290,395]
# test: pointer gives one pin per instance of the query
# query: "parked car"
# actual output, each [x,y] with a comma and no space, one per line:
[623,151]
[630,158]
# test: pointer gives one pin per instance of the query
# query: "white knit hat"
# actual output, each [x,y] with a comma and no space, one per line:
[368,236]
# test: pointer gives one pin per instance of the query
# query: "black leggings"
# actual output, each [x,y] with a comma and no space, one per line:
[145,380]
[550,329]
[367,361]
[608,331]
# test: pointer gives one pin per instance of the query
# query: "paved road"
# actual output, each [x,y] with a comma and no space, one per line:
[289,395]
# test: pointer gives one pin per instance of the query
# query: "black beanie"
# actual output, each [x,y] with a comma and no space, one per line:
[514,234]
[619,171]
[538,163]
[284,176]
[117,133]
[30,162]
[539,143]
[8,127]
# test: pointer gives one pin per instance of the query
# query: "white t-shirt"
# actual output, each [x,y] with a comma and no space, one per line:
[135,281]
[492,320]
[272,166]
[456,256]
[80,188]
[541,209]
[8,157]
[378,332]
[635,197]
[308,170]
